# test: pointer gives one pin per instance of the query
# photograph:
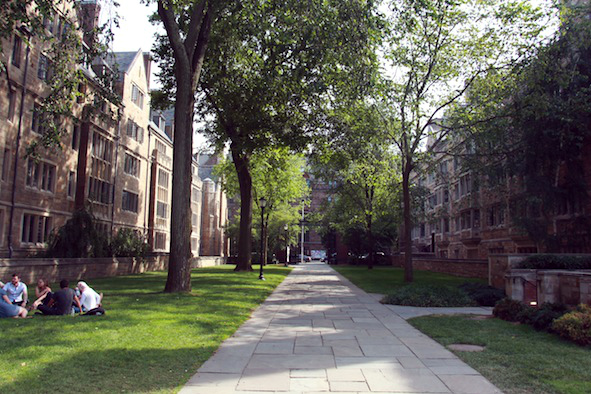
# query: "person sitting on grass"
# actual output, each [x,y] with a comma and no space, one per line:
[62,300]
[17,291]
[89,298]
[7,309]
[42,293]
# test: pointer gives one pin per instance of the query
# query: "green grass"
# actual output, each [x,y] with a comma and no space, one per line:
[147,342]
[517,359]
[383,280]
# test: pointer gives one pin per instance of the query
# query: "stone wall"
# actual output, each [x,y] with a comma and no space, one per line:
[455,267]
[540,286]
[54,270]
[499,265]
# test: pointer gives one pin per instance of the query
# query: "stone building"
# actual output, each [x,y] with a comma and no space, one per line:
[466,215]
[115,160]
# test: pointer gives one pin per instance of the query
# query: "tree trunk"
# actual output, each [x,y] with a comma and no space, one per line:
[179,263]
[407,236]
[371,260]
[242,164]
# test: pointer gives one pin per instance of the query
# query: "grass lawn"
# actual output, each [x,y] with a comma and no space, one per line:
[383,280]
[517,358]
[147,342]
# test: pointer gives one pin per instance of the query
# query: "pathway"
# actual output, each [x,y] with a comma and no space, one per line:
[318,333]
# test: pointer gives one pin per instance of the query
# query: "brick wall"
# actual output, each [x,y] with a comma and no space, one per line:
[54,270]
[455,267]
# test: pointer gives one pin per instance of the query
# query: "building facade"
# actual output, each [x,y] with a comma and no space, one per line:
[115,160]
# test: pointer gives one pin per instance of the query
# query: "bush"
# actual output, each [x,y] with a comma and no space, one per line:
[428,296]
[482,294]
[128,243]
[78,237]
[556,262]
[543,316]
[510,310]
[575,326]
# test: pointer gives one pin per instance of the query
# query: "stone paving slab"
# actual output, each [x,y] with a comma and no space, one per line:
[318,333]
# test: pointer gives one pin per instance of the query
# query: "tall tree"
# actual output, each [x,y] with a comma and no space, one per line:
[437,49]
[539,134]
[355,159]
[182,53]
[274,66]
[277,176]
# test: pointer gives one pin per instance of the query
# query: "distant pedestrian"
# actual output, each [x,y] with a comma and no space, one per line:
[62,300]
[16,291]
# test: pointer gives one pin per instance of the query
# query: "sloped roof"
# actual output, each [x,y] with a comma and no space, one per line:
[123,59]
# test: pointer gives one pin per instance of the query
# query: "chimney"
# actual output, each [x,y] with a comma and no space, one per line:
[90,11]
[148,67]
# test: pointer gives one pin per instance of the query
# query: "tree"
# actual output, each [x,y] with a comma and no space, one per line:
[362,167]
[533,149]
[273,68]
[277,176]
[438,49]
[182,54]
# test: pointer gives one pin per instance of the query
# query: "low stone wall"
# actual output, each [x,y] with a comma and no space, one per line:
[540,286]
[54,270]
[455,267]
[499,265]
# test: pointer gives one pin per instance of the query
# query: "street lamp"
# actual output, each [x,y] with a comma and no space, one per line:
[286,228]
[262,204]
[302,235]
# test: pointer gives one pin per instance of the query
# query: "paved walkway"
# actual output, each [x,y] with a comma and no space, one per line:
[318,333]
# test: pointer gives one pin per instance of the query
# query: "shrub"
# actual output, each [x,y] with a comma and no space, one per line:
[575,326]
[510,310]
[543,316]
[482,294]
[428,296]
[554,261]
[78,237]
[128,243]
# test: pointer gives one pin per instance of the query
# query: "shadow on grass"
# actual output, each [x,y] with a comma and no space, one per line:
[113,370]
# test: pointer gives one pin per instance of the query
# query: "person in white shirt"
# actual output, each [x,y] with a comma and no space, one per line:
[89,298]
[17,291]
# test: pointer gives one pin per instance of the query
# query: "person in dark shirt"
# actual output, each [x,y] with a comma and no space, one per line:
[61,301]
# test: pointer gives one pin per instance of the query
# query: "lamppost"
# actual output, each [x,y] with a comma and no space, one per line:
[302,235]
[262,204]
[286,228]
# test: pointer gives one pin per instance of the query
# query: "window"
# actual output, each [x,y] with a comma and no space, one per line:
[5,165]
[445,195]
[11,105]
[129,201]
[134,131]
[446,225]
[37,120]
[195,195]
[137,97]
[160,241]
[162,210]
[495,215]
[194,243]
[131,165]
[35,228]
[43,69]
[71,184]
[76,137]
[163,178]
[465,185]
[160,147]
[194,220]
[16,51]
[99,186]
[40,175]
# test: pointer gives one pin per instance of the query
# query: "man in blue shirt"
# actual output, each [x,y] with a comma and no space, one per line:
[16,291]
